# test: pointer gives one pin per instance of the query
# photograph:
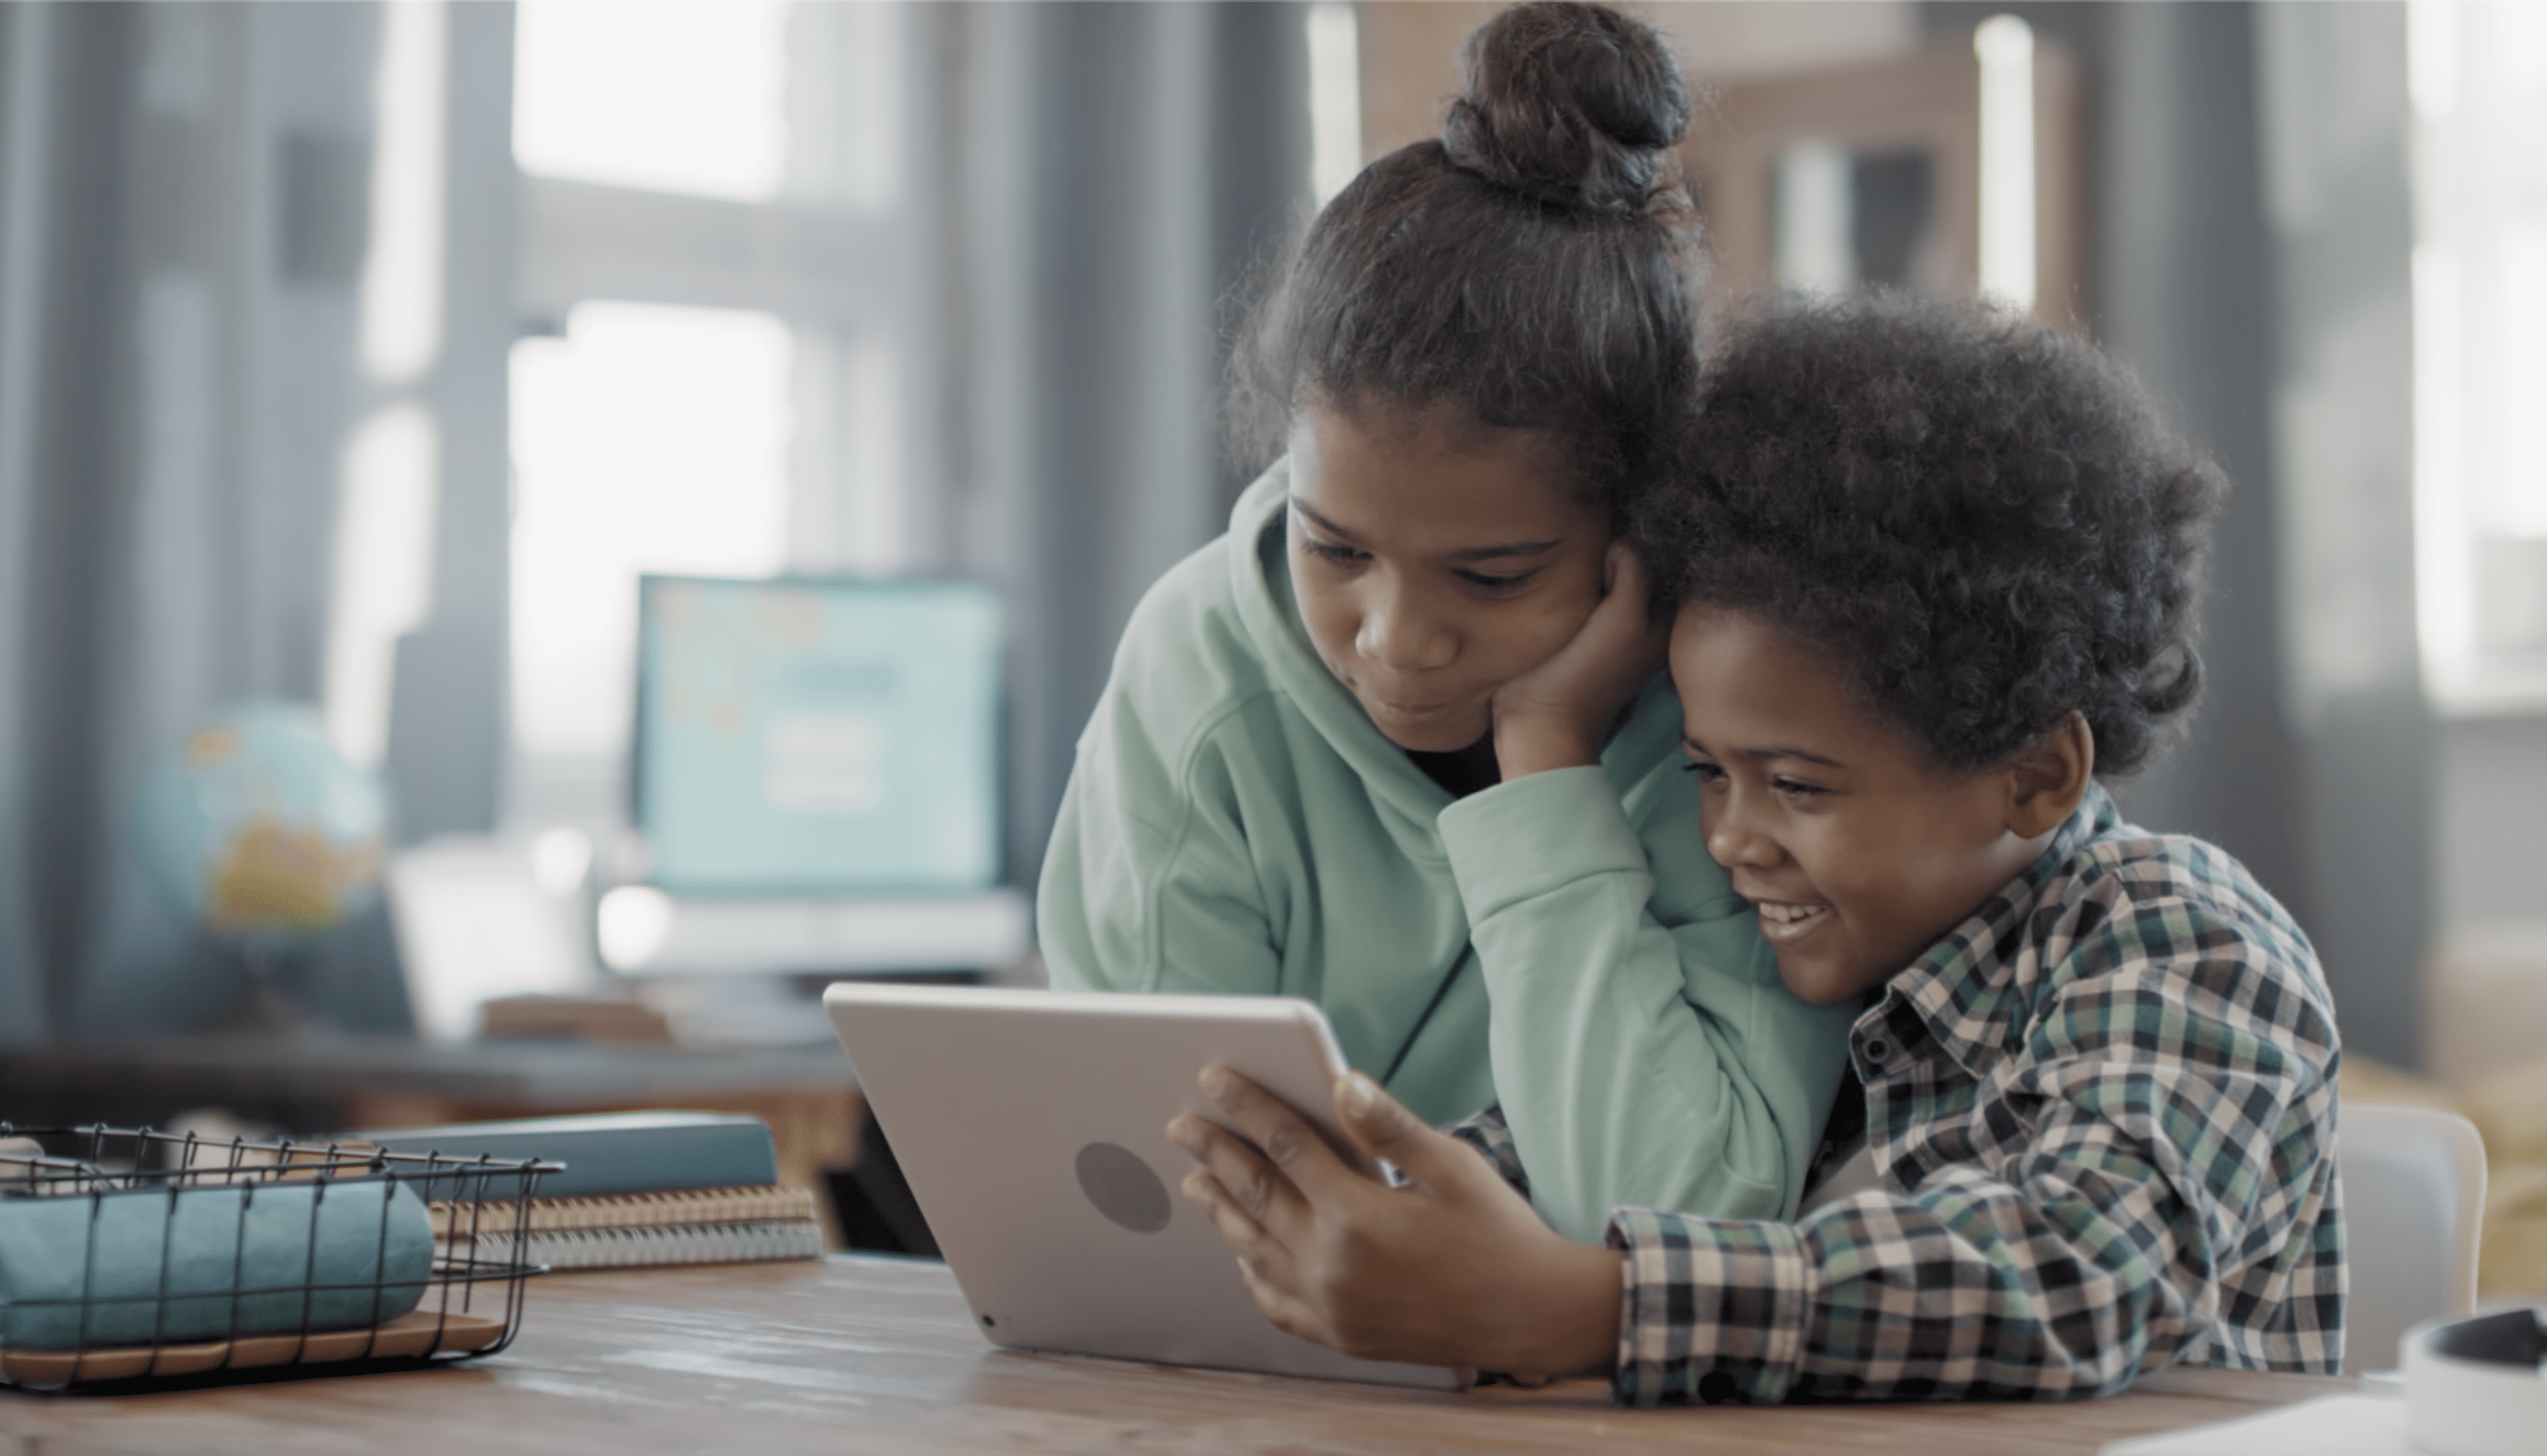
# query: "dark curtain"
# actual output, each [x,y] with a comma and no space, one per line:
[1104,173]
[183,197]
[2251,245]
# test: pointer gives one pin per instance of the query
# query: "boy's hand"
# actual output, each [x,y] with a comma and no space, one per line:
[1452,1269]
[1558,714]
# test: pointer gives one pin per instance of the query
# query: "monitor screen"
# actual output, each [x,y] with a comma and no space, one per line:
[812,736]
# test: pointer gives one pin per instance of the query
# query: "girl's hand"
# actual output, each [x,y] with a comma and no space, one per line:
[1558,714]
[1452,1269]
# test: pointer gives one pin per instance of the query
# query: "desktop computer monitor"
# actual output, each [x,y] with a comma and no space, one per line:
[818,737]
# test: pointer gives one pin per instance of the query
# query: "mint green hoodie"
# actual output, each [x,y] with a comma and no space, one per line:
[1236,823]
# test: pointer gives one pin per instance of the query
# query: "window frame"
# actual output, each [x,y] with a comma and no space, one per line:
[838,270]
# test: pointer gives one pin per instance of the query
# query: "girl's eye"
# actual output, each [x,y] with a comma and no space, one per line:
[1708,773]
[1797,787]
[1328,550]
[1490,583]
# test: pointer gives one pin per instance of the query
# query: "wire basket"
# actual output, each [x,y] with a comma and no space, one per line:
[134,1255]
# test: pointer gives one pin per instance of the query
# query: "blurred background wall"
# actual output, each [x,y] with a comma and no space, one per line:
[362,354]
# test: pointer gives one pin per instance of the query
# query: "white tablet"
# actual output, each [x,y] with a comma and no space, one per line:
[1032,1126]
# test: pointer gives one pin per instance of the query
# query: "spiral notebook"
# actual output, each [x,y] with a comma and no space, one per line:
[699,1226]
[632,1248]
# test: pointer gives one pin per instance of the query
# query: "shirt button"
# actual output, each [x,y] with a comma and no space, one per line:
[1878,1050]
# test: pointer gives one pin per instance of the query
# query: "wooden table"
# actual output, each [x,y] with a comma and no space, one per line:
[860,1354]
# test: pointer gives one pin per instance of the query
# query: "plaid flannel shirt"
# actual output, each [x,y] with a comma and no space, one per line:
[2103,1112]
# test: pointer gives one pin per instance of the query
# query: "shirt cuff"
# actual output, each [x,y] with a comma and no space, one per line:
[1488,1133]
[1710,1310]
[1538,834]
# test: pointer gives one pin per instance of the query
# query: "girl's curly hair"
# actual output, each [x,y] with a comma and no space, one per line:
[1983,524]
[1535,268]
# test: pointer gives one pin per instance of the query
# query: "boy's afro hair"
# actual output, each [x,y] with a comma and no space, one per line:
[1981,523]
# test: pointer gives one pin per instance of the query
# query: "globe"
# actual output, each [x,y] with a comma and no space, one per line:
[257,829]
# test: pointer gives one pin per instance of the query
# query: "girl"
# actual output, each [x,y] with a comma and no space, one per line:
[1398,742]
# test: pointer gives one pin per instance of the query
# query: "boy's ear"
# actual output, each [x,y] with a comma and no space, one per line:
[2049,776]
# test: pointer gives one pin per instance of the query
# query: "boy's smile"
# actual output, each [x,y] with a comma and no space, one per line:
[1855,847]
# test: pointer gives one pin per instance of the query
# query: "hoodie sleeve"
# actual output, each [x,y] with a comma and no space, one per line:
[1645,1052]
[1147,885]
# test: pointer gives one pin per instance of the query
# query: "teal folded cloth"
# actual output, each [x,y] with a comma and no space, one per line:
[172,1266]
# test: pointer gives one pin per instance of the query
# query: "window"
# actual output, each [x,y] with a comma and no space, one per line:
[384,526]
[2479,85]
[648,437]
[707,382]
[1335,99]
[667,97]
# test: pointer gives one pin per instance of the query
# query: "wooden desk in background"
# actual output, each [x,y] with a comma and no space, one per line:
[340,1084]
[867,1355]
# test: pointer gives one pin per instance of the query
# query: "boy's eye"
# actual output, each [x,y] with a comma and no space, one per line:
[1796,788]
[1328,550]
[1708,773]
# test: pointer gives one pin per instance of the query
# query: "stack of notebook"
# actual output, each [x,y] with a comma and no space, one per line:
[639,1188]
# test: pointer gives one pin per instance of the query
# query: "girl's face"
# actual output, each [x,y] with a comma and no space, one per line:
[1435,561]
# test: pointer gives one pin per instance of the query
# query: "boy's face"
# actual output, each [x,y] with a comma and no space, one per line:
[1856,850]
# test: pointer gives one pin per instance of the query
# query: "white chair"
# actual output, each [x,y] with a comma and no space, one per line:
[2414,1190]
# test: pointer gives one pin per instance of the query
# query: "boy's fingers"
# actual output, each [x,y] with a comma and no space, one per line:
[1237,1169]
[1381,1126]
[1288,1142]
[1237,1228]
[1282,1308]
[1256,1250]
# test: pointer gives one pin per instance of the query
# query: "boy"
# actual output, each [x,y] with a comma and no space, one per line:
[1935,571]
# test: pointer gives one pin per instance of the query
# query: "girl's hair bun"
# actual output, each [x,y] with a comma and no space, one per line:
[1569,104]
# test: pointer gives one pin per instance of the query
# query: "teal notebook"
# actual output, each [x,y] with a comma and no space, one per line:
[606,1153]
